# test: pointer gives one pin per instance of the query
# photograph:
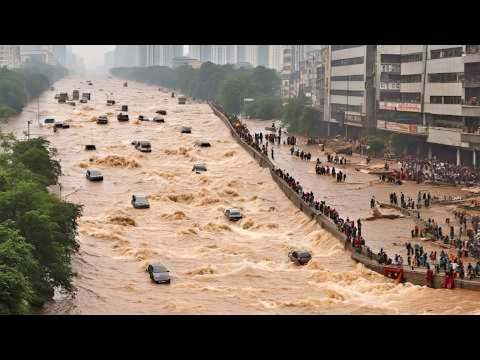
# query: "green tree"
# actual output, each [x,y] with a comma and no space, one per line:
[232,95]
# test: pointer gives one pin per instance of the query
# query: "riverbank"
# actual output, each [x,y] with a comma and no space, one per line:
[361,254]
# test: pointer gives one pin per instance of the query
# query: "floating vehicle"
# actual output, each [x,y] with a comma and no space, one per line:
[76,95]
[300,257]
[123,116]
[182,100]
[173,94]
[202,143]
[159,273]
[140,202]
[86,96]
[125,108]
[186,130]
[158,119]
[143,146]
[125,84]
[71,103]
[233,214]
[90,147]
[143,118]
[161,112]
[94,175]
[83,101]
[198,168]
[110,102]
[102,119]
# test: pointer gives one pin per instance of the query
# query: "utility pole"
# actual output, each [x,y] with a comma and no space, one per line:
[28,129]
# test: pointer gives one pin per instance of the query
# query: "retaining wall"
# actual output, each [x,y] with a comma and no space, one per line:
[417,277]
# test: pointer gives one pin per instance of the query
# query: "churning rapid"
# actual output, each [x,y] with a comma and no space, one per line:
[217,267]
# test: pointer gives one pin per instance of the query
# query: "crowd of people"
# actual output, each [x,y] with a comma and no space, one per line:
[300,153]
[453,266]
[326,170]
[338,160]
[440,172]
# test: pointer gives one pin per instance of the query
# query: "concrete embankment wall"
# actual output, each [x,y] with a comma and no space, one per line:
[417,277]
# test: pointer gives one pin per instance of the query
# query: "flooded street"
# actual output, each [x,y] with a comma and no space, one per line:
[217,267]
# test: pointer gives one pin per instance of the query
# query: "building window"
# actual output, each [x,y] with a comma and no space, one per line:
[446,53]
[341,108]
[346,93]
[348,78]
[413,78]
[341,47]
[452,99]
[445,100]
[445,77]
[350,61]
[411,57]
[390,68]
[390,58]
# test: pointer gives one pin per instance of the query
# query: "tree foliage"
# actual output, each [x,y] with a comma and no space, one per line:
[37,230]
[18,86]
[221,83]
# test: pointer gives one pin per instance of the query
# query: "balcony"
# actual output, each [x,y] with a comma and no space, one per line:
[471,107]
[471,138]
[472,54]
[471,82]
[397,106]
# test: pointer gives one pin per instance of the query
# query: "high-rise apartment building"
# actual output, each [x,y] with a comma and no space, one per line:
[263,55]
[10,56]
[275,57]
[40,53]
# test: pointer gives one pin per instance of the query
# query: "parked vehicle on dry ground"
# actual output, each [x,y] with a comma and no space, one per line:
[186,130]
[143,146]
[140,202]
[233,214]
[159,273]
[94,175]
[300,257]
[102,119]
[198,168]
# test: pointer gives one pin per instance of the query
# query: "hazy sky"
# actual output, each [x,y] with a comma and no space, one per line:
[92,54]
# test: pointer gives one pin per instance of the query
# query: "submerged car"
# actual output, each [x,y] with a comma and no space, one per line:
[198,168]
[143,146]
[110,102]
[158,119]
[94,175]
[122,116]
[182,100]
[161,112]
[300,257]
[140,202]
[202,143]
[233,214]
[90,147]
[143,118]
[186,130]
[83,101]
[102,119]
[159,273]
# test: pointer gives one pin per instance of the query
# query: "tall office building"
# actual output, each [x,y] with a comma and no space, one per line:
[40,53]
[60,54]
[263,55]
[194,51]
[275,57]
[10,56]
[231,54]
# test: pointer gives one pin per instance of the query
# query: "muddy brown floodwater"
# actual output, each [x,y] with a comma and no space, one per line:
[217,267]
